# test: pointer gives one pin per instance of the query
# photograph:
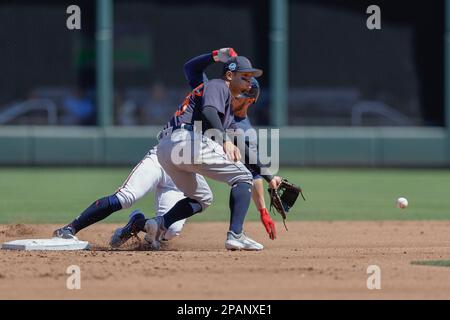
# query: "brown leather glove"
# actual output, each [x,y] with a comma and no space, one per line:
[284,197]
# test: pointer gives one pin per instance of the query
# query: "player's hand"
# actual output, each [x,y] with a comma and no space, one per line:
[268,223]
[275,182]
[231,151]
[224,54]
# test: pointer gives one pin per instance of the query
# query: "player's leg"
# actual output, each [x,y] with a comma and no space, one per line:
[199,197]
[217,166]
[133,227]
[143,178]
[194,187]
[214,164]
[174,230]
[166,195]
[240,179]
[207,158]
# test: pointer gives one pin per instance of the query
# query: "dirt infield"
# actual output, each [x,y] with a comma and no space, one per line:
[313,260]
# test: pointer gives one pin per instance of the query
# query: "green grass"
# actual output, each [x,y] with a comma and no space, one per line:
[57,195]
[435,263]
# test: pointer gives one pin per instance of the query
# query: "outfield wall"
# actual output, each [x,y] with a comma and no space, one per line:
[311,146]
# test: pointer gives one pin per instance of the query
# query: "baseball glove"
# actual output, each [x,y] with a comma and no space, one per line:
[284,197]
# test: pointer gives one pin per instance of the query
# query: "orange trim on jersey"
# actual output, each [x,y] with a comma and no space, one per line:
[198,92]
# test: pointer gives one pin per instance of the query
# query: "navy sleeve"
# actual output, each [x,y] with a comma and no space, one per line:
[211,119]
[194,69]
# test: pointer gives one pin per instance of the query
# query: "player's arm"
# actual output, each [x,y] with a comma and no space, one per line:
[258,194]
[253,163]
[258,199]
[211,120]
[194,69]
[258,188]
[215,95]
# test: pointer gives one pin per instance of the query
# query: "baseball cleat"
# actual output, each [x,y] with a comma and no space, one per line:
[155,232]
[122,235]
[241,242]
[66,232]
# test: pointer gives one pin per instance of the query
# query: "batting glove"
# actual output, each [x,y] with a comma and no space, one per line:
[224,54]
[268,223]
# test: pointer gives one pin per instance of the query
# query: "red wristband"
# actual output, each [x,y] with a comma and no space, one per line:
[214,54]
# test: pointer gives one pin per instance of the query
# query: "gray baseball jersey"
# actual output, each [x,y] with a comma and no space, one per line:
[187,162]
[214,93]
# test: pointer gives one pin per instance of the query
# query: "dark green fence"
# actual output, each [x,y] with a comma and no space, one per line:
[313,146]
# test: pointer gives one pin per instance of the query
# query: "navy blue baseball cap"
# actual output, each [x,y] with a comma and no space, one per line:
[241,64]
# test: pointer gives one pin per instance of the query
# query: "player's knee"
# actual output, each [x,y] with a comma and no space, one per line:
[126,198]
[173,232]
[170,234]
[205,199]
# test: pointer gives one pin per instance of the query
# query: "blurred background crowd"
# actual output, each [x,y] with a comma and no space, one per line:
[340,73]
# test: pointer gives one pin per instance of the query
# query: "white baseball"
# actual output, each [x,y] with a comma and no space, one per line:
[402,203]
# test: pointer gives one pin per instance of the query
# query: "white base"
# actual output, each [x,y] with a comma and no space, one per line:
[46,244]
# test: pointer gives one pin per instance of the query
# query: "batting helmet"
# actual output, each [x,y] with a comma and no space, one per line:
[253,92]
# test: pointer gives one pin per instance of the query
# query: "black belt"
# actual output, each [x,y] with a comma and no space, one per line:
[185,126]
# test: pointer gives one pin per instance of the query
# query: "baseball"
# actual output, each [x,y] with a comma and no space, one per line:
[402,203]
